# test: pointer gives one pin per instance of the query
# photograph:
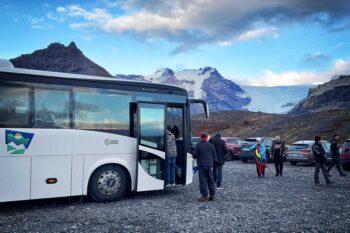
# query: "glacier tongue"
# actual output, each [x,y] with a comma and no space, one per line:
[279,99]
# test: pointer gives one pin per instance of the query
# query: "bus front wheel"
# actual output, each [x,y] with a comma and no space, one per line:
[108,183]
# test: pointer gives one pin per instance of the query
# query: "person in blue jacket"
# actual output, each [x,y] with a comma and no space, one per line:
[259,157]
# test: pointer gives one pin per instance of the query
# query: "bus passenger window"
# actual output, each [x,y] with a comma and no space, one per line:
[102,109]
[14,106]
[51,108]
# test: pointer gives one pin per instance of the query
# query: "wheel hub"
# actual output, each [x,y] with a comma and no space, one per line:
[109,182]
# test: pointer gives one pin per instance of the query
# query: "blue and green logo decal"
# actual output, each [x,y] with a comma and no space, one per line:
[17,142]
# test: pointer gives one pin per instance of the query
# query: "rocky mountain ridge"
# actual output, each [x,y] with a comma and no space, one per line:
[334,94]
[60,58]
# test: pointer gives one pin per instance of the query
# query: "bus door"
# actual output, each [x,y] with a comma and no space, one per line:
[151,146]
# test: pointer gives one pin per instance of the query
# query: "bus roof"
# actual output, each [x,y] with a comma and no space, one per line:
[9,69]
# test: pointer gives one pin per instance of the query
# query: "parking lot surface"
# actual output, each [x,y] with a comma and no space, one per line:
[246,204]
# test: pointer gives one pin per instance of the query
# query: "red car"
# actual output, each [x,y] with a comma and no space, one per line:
[345,153]
[233,145]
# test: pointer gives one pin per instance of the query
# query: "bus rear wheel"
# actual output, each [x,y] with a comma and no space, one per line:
[108,183]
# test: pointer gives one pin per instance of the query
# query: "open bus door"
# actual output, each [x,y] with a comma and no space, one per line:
[151,146]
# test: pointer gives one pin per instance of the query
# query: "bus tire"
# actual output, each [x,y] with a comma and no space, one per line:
[108,183]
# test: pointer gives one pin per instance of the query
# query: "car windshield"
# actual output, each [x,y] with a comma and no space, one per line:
[267,141]
[299,146]
[346,144]
[250,140]
[240,141]
[232,141]
[195,140]
[326,146]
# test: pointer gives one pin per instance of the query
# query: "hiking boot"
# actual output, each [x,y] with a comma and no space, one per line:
[212,198]
[318,184]
[219,187]
[277,174]
[203,199]
[331,182]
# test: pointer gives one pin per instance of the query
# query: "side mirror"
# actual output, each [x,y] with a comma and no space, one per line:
[202,102]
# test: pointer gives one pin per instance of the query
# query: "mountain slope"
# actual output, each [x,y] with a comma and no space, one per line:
[60,58]
[334,94]
[204,83]
[291,128]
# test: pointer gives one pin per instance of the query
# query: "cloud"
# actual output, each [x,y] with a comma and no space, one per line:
[339,45]
[316,57]
[270,78]
[193,23]
[61,9]
[260,33]
[37,22]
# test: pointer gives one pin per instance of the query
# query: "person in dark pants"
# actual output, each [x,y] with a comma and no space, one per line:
[221,150]
[205,154]
[335,156]
[278,151]
[320,161]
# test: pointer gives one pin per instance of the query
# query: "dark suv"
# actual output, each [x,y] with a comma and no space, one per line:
[245,154]
[345,153]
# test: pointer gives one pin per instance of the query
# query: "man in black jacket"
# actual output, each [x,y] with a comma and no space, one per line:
[221,150]
[335,156]
[205,154]
[320,161]
[278,151]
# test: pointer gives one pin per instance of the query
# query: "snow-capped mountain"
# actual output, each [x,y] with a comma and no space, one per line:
[280,99]
[204,83]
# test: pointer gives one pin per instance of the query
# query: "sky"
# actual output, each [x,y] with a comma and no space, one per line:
[253,42]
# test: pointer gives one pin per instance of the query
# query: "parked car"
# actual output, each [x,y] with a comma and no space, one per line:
[345,153]
[285,152]
[246,154]
[301,152]
[233,145]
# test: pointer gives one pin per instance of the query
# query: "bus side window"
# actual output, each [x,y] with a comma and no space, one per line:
[14,106]
[51,108]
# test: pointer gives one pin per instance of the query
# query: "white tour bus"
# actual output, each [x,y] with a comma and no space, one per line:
[67,135]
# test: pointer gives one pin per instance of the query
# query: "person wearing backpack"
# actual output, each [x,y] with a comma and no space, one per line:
[170,158]
[259,157]
[221,150]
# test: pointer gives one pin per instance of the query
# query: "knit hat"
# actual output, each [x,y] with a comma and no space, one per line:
[204,136]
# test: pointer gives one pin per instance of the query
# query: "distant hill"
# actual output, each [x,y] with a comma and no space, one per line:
[60,58]
[292,128]
[334,94]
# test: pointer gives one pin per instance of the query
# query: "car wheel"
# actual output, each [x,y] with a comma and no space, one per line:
[294,163]
[229,156]
[108,183]
[244,160]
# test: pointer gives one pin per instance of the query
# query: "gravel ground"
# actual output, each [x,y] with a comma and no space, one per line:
[246,204]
